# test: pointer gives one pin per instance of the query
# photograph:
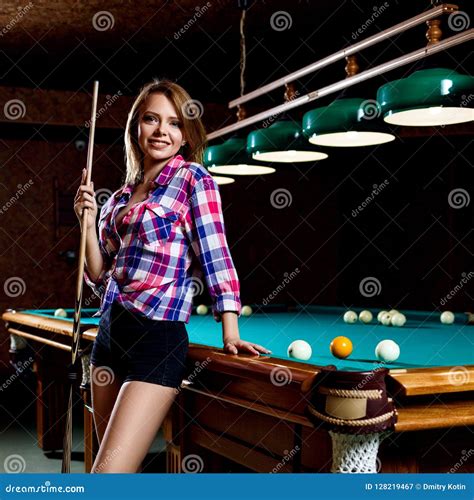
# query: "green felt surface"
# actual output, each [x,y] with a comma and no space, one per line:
[424,341]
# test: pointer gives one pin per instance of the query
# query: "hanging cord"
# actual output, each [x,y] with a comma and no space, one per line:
[243,55]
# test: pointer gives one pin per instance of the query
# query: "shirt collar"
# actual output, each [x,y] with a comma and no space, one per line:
[162,179]
[167,173]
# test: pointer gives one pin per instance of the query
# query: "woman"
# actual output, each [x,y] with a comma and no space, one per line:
[155,234]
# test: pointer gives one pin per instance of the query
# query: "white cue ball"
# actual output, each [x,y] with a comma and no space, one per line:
[60,313]
[393,311]
[300,349]
[387,351]
[350,317]
[447,318]
[365,316]
[246,311]
[385,319]
[202,309]
[398,319]
[379,315]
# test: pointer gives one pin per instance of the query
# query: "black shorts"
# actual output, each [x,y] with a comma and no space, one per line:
[138,348]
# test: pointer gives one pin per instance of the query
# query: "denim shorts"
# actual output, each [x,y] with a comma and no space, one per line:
[138,348]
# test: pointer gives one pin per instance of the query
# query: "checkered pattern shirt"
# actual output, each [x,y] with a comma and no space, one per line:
[155,259]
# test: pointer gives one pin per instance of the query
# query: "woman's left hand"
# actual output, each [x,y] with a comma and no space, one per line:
[242,346]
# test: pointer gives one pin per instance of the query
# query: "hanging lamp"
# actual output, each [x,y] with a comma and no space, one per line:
[231,158]
[223,180]
[428,97]
[346,122]
[283,141]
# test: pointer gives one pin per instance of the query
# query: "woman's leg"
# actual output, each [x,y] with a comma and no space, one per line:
[137,415]
[105,388]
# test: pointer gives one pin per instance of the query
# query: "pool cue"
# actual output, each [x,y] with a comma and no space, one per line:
[73,372]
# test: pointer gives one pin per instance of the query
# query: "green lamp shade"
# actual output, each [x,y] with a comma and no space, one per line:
[223,180]
[281,142]
[231,158]
[345,123]
[429,97]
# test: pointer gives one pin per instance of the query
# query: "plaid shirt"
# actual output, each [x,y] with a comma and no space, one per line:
[155,259]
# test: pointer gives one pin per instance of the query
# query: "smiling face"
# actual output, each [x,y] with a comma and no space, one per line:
[160,132]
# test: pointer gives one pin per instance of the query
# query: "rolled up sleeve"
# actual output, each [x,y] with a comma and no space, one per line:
[210,246]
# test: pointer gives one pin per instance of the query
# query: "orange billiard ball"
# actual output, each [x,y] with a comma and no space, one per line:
[341,347]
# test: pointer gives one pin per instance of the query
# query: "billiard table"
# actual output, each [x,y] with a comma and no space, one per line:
[246,413]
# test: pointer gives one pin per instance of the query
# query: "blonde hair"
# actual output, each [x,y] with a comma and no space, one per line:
[193,129]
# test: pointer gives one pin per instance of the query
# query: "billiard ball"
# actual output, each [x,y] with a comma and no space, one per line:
[387,351]
[379,315]
[447,318]
[341,347]
[398,319]
[246,311]
[386,319]
[365,316]
[300,349]
[60,313]
[202,309]
[393,311]
[350,317]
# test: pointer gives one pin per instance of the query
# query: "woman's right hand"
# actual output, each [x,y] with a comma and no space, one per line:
[85,198]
